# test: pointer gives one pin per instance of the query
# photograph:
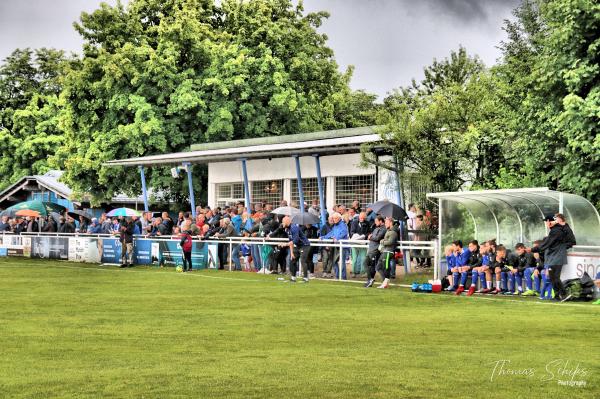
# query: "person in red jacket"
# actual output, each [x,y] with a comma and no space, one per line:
[186,246]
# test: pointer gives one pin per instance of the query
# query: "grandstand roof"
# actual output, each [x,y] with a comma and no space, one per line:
[328,142]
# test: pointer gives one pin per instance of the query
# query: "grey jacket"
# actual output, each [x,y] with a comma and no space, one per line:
[228,231]
[376,236]
[390,241]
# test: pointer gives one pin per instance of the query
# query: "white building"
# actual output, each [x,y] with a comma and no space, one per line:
[270,164]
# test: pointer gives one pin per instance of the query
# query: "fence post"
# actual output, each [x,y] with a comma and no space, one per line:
[230,252]
[342,262]
[436,264]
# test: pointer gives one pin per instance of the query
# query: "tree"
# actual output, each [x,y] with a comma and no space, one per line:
[157,76]
[445,128]
[30,82]
[550,73]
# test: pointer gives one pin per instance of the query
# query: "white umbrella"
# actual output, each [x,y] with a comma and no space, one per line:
[286,211]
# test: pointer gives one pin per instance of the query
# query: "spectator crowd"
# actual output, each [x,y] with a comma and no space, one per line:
[343,223]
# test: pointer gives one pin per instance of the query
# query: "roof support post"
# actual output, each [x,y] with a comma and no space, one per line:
[561,202]
[299,180]
[144,191]
[188,167]
[321,191]
[246,186]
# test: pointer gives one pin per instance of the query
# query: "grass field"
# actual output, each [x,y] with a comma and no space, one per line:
[73,330]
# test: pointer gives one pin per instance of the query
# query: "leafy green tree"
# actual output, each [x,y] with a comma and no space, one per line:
[157,76]
[30,82]
[445,127]
[550,76]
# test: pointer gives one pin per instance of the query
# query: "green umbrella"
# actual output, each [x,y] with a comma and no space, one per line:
[44,208]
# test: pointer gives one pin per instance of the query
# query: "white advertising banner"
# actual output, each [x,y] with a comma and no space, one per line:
[580,262]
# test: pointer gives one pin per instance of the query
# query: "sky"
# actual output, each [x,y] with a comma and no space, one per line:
[388,41]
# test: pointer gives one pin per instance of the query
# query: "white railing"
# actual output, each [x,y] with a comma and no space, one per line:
[231,241]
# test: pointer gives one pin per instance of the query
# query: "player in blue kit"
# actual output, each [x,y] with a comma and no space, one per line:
[520,262]
[461,257]
[473,261]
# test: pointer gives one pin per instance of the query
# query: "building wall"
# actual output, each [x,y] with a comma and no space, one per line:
[285,169]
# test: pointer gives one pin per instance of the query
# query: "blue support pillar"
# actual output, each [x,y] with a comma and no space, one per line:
[321,191]
[246,186]
[299,179]
[188,167]
[144,191]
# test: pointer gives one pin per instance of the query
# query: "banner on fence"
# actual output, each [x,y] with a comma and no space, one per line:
[16,245]
[49,247]
[111,250]
[85,249]
[169,253]
[142,251]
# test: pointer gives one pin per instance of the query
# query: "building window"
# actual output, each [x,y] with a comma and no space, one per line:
[352,188]
[269,192]
[310,188]
[229,193]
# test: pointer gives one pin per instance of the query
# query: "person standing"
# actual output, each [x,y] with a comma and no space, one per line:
[359,230]
[554,247]
[32,225]
[4,225]
[299,248]
[387,260]
[227,231]
[373,252]
[186,244]
[126,238]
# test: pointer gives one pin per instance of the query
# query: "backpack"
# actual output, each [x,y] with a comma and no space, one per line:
[186,243]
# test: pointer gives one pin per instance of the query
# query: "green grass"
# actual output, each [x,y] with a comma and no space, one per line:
[73,330]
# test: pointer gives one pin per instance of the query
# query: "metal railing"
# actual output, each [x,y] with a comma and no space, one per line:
[231,241]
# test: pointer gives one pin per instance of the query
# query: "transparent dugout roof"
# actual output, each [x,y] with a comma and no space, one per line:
[514,215]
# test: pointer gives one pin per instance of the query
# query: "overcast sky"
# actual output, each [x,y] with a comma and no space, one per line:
[388,41]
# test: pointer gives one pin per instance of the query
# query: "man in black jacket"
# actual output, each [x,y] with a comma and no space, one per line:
[68,227]
[554,247]
[569,235]
[373,253]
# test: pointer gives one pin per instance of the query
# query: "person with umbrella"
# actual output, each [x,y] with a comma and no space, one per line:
[307,221]
[373,253]
[126,238]
[50,225]
[387,260]
[32,224]
[299,248]
[68,227]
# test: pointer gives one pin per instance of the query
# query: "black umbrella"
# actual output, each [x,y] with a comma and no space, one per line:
[55,216]
[305,218]
[76,213]
[389,209]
